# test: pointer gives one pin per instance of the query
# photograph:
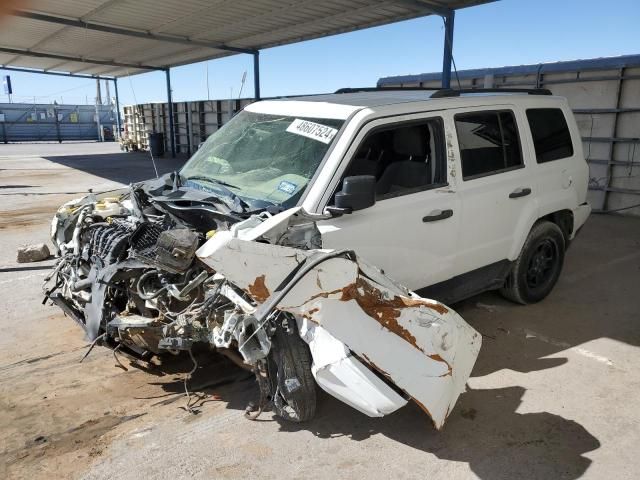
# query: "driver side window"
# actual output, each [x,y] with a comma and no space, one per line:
[404,158]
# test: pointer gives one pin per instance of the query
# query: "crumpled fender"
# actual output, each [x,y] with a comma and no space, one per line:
[422,347]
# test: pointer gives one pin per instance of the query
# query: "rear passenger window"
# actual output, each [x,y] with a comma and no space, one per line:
[550,133]
[489,143]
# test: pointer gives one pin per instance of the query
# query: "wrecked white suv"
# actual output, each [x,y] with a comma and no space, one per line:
[290,236]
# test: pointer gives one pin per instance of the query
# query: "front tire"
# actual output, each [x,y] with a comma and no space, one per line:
[294,387]
[536,271]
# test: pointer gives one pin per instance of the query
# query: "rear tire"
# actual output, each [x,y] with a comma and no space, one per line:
[536,271]
[294,387]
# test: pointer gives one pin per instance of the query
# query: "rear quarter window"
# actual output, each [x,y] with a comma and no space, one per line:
[489,143]
[551,137]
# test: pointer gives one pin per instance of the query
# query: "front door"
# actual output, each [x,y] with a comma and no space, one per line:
[411,231]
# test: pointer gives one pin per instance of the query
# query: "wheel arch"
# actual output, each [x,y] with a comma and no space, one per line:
[562,218]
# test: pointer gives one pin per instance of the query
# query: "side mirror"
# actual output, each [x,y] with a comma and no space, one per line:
[358,192]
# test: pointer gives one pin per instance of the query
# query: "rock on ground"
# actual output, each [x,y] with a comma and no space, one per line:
[33,253]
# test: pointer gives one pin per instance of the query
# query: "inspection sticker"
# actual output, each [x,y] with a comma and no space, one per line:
[287,187]
[308,129]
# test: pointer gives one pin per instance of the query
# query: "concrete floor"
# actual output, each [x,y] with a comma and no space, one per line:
[552,395]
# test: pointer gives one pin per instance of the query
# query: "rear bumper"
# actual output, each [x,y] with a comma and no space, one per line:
[580,215]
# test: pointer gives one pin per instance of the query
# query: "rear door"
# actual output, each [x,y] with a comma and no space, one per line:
[562,172]
[411,231]
[496,189]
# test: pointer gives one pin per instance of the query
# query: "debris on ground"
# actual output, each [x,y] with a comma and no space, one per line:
[33,253]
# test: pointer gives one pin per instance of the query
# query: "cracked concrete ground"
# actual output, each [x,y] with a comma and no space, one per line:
[551,396]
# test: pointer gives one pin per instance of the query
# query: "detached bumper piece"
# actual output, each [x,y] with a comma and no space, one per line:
[374,343]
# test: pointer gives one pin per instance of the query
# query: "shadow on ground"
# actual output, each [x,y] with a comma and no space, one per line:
[596,297]
[484,430]
[120,167]
[214,378]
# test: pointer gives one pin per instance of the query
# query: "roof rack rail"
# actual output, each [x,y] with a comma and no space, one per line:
[380,89]
[449,92]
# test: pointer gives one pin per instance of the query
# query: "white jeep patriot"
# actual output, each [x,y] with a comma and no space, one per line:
[292,234]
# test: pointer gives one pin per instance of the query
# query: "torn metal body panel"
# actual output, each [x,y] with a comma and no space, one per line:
[343,307]
[342,375]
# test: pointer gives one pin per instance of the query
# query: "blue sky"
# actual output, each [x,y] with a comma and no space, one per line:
[509,32]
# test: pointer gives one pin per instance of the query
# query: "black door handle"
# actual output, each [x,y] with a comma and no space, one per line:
[520,192]
[434,217]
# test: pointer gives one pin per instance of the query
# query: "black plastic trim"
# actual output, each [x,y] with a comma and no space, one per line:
[468,284]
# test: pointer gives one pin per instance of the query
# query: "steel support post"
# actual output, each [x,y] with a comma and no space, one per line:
[170,102]
[447,57]
[118,120]
[256,75]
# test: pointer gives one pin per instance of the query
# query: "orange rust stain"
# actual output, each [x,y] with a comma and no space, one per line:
[412,302]
[383,310]
[322,295]
[386,310]
[309,315]
[258,290]
[438,358]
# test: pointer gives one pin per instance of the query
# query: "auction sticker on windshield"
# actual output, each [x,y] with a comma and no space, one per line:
[313,130]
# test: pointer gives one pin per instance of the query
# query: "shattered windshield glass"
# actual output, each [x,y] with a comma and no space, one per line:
[263,159]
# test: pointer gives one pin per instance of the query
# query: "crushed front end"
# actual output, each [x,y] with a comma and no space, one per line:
[151,271]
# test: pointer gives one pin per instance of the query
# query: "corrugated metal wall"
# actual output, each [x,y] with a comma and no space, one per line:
[193,121]
[23,122]
[605,97]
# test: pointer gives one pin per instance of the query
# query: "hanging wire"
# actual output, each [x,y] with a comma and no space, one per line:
[186,379]
[115,350]
[93,344]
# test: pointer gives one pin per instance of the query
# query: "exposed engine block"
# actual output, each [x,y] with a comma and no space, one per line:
[107,241]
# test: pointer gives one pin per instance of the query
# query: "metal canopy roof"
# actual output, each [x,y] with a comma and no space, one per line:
[114,38]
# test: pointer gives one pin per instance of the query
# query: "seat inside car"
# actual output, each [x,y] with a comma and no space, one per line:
[368,160]
[410,167]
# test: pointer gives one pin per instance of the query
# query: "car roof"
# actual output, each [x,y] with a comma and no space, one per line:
[342,105]
[377,98]
[369,99]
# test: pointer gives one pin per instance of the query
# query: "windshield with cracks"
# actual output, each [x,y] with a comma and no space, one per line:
[261,159]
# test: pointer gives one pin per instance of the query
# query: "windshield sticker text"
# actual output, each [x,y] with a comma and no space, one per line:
[287,187]
[313,130]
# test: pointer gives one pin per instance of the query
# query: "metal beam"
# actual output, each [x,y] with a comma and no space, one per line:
[92,70]
[256,75]
[426,6]
[118,121]
[53,67]
[31,53]
[170,102]
[73,22]
[447,56]
[61,74]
